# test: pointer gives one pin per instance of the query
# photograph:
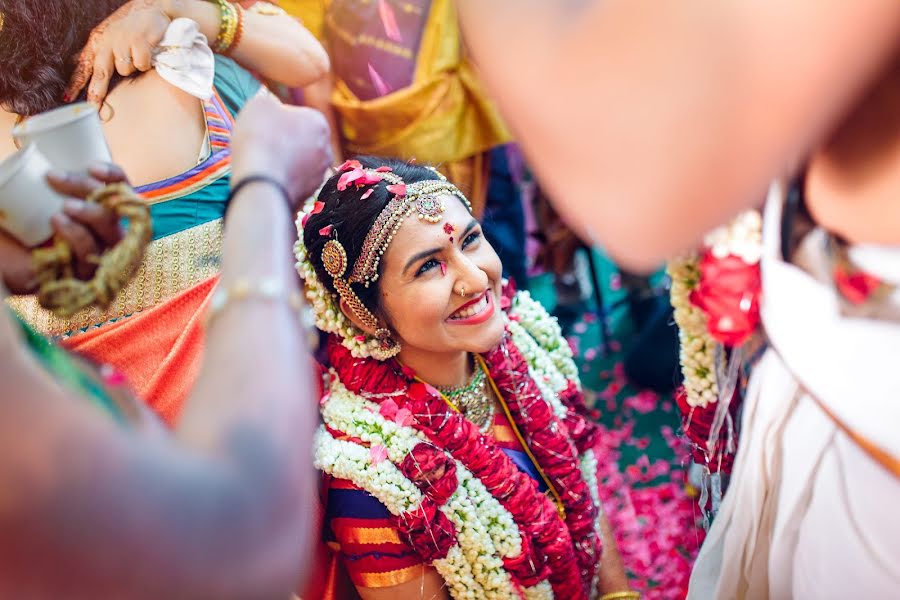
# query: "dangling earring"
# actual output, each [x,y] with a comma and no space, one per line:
[387,346]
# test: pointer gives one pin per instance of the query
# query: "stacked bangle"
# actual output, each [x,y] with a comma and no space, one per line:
[231,20]
[239,32]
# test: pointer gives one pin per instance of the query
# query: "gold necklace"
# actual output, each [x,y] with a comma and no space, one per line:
[472,399]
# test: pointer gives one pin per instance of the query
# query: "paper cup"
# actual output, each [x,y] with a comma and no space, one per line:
[71,137]
[26,199]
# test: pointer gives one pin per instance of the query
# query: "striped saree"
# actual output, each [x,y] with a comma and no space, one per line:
[152,332]
[364,545]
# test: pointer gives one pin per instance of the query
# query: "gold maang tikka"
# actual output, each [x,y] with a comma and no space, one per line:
[422,198]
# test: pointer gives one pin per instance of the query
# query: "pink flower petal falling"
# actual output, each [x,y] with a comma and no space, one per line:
[326,231]
[380,86]
[388,409]
[367,193]
[389,21]
[368,179]
[403,417]
[383,170]
[317,208]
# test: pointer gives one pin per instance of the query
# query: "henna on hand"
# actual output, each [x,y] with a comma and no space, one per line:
[99,50]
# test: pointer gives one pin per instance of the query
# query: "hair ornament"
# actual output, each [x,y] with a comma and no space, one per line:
[422,198]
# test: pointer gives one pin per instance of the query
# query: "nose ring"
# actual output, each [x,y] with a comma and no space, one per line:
[462,291]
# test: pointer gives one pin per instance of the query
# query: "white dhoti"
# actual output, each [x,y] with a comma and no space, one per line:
[813,508]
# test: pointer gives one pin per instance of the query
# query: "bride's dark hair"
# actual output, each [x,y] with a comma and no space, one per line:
[39,43]
[351,217]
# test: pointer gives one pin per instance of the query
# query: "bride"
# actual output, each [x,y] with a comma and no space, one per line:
[459,458]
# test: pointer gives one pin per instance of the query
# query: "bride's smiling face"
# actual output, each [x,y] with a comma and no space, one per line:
[425,268]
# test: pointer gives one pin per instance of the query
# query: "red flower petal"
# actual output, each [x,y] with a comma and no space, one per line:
[398,189]
[317,208]
[350,164]
[326,230]
[383,170]
[388,409]
[348,178]
[368,179]
[304,220]
[855,287]
[368,193]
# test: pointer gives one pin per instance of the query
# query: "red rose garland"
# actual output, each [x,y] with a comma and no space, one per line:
[546,541]
[728,293]
[696,424]
[433,472]
[549,440]
[428,530]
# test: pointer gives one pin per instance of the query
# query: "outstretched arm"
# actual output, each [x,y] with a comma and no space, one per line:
[219,509]
[651,121]
[277,47]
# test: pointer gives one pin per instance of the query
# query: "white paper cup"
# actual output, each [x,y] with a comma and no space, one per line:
[71,137]
[26,199]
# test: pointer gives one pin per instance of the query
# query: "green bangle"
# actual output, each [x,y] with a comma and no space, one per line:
[228,26]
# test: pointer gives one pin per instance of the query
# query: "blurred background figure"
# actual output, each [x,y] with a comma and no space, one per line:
[702,106]
[100,499]
[171,131]
[402,85]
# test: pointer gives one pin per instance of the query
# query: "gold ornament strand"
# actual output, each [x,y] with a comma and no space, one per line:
[58,289]
[334,259]
[422,197]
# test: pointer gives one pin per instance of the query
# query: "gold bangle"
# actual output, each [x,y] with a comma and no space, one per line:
[267,290]
[626,595]
[228,24]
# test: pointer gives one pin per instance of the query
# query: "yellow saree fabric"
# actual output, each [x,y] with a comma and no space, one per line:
[444,117]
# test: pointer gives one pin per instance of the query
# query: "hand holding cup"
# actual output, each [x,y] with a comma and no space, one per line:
[88,229]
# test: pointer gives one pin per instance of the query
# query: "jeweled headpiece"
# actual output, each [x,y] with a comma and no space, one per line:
[422,198]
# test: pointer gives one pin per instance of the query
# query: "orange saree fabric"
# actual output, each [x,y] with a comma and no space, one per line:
[159,350]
